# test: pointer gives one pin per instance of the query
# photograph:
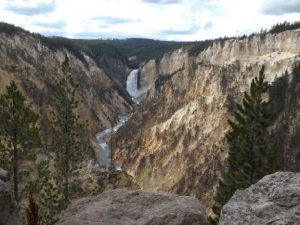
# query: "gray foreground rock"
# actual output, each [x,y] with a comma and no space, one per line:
[4,175]
[8,211]
[123,207]
[274,200]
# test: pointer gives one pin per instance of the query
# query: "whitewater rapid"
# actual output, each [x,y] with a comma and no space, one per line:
[132,88]
[105,151]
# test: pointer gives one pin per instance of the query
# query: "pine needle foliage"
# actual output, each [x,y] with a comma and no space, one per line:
[19,134]
[68,142]
[48,196]
[251,156]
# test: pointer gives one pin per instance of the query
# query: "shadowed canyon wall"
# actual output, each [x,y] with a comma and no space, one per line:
[35,66]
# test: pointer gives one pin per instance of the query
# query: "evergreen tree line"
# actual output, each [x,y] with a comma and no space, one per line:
[47,181]
[280,27]
[251,154]
[96,49]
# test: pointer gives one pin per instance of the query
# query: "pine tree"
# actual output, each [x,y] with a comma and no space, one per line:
[32,212]
[48,196]
[251,156]
[68,144]
[19,134]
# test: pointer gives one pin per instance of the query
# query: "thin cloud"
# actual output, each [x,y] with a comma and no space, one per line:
[41,8]
[280,7]
[162,1]
[190,31]
[208,26]
[55,25]
[53,33]
[113,20]
[181,20]
[175,32]
[99,35]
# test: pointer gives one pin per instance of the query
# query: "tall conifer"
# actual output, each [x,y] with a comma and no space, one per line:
[69,147]
[251,156]
[19,134]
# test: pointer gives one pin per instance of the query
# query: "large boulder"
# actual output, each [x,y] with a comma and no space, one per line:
[8,210]
[123,207]
[274,200]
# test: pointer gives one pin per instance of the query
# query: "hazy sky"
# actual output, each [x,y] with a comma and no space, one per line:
[159,19]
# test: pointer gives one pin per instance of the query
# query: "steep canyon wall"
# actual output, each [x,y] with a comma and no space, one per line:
[175,141]
[35,66]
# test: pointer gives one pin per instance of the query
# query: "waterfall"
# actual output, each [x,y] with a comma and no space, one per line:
[135,93]
[132,85]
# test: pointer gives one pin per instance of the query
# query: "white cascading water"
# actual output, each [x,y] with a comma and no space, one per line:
[105,151]
[135,93]
[132,85]
[104,154]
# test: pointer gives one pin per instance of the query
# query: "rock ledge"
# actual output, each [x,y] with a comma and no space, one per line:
[123,207]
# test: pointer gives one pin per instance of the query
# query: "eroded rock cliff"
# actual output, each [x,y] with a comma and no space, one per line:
[34,63]
[176,139]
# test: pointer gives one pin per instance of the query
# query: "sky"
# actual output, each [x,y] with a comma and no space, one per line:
[177,20]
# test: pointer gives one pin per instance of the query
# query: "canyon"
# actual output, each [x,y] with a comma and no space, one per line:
[34,63]
[175,140]
[164,120]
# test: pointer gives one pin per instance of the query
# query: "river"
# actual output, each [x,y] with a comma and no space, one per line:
[104,158]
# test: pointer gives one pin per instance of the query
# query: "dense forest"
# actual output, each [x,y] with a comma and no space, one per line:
[145,49]
[95,49]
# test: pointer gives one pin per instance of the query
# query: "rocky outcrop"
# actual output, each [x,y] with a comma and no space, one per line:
[122,207]
[115,179]
[273,200]
[176,139]
[92,179]
[8,210]
[260,47]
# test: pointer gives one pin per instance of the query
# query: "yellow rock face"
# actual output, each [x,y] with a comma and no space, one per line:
[35,66]
[176,140]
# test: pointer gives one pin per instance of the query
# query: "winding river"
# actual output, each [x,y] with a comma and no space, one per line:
[102,136]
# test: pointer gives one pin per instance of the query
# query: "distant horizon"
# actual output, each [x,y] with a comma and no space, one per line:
[145,38]
[111,39]
[165,20]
